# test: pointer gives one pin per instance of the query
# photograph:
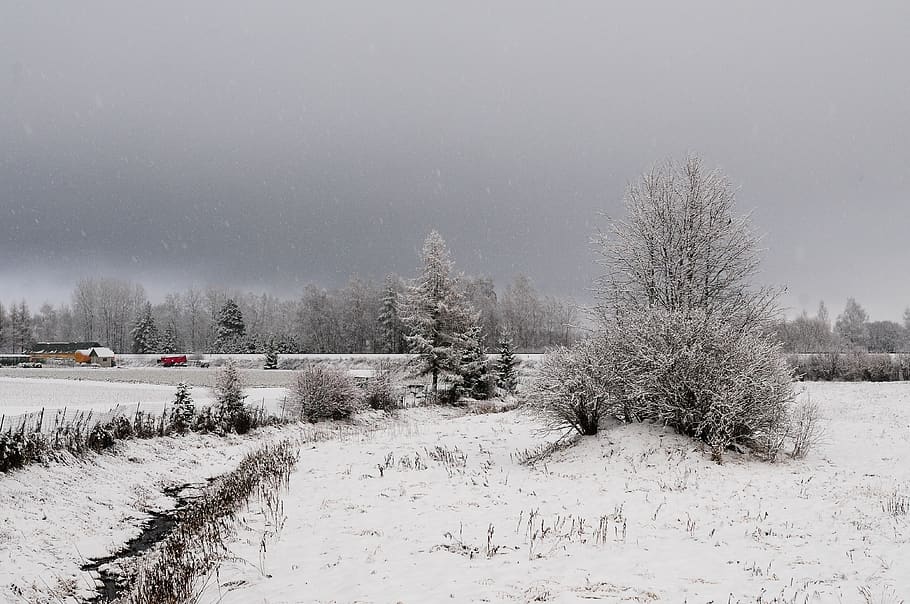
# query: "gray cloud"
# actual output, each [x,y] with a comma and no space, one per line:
[271,145]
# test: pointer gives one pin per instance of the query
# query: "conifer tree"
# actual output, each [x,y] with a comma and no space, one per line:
[505,366]
[230,328]
[436,313]
[271,355]
[229,399]
[474,369]
[169,339]
[391,326]
[145,332]
[184,411]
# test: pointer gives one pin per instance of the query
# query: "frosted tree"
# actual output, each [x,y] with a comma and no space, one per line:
[169,343]
[271,355]
[3,326]
[682,248]
[145,332]
[506,364]
[184,411]
[885,336]
[390,323]
[230,409]
[852,325]
[435,312]
[474,368]
[683,339]
[230,328]
[822,315]
[20,326]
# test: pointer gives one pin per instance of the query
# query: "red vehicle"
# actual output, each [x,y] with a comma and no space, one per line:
[173,361]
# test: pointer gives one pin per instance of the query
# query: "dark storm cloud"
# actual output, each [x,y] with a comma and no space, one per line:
[268,145]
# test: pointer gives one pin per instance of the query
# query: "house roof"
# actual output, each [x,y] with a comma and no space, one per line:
[61,347]
[101,352]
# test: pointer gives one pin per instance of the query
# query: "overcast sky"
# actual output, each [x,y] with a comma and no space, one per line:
[267,145]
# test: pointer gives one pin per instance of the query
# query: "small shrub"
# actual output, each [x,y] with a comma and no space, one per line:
[101,437]
[806,428]
[570,390]
[381,395]
[325,393]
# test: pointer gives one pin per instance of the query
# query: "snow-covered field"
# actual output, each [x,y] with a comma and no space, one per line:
[634,514]
[20,395]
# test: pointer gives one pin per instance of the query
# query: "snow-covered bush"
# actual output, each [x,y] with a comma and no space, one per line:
[325,393]
[703,376]
[806,429]
[572,389]
[380,394]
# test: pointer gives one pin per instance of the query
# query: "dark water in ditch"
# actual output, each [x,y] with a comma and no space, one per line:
[112,584]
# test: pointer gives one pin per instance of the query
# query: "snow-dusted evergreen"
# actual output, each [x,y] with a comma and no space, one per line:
[271,355]
[506,364]
[435,313]
[183,412]
[391,326]
[168,340]
[230,328]
[230,410]
[145,332]
[474,368]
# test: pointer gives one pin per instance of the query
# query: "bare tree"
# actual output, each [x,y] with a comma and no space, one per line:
[852,325]
[192,304]
[682,248]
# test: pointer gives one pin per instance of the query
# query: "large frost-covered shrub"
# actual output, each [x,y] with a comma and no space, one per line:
[699,375]
[703,376]
[325,393]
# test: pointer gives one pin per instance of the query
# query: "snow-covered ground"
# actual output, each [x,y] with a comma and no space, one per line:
[19,395]
[634,514]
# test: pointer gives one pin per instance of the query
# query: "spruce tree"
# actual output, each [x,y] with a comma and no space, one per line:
[145,332]
[436,313]
[230,328]
[229,400]
[505,366]
[184,411]
[474,369]
[271,355]
[390,323]
[169,340]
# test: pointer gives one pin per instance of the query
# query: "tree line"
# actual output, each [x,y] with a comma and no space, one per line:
[851,331]
[360,317]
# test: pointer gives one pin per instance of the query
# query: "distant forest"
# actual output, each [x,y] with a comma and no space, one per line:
[850,331]
[361,317]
